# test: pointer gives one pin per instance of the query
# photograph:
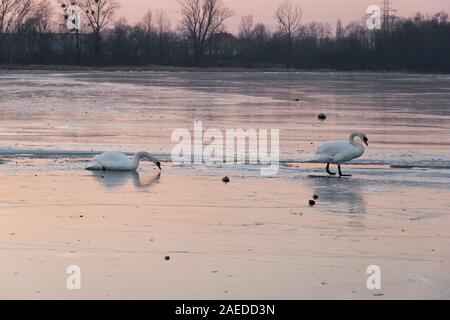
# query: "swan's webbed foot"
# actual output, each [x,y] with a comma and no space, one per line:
[328,170]
[341,174]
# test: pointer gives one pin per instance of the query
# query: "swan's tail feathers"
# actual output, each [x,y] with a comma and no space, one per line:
[321,158]
[95,166]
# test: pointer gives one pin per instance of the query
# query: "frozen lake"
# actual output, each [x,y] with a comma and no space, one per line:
[256,237]
[407,117]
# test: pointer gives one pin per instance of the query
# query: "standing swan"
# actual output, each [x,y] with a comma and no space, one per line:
[116,161]
[340,151]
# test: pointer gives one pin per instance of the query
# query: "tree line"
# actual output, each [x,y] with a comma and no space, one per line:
[35,32]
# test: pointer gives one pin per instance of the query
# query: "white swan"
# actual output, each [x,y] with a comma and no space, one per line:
[338,152]
[116,161]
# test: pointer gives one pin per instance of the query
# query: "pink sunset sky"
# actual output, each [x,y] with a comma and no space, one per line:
[262,10]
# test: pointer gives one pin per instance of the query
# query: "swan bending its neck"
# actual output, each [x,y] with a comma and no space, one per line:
[117,161]
[362,136]
[145,155]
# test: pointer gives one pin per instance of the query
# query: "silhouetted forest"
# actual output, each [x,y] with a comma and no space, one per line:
[419,43]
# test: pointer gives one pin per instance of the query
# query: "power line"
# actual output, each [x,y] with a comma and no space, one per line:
[386,14]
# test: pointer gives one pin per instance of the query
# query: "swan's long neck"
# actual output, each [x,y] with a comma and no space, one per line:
[136,159]
[140,155]
[352,138]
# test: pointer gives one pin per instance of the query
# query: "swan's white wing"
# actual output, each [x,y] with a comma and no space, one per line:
[338,151]
[332,148]
[112,156]
[349,154]
[321,158]
[113,160]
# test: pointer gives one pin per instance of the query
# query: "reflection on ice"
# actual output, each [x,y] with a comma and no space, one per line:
[114,179]
[343,195]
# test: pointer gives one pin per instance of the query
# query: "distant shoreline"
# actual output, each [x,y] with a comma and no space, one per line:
[156,68]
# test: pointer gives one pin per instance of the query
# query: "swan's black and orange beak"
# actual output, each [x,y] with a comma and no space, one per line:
[158,164]
[366,141]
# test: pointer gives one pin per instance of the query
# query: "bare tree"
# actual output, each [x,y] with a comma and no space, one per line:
[162,22]
[201,19]
[147,23]
[246,27]
[162,29]
[37,31]
[99,14]
[339,30]
[246,38]
[317,31]
[261,34]
[13,14]
[288,17]
[147,27]
[41,17]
